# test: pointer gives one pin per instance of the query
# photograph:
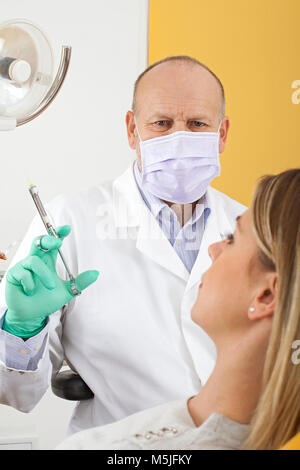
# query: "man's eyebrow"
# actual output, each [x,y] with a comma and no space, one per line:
[159,115]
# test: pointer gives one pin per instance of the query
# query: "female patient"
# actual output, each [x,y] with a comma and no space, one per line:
[249,304]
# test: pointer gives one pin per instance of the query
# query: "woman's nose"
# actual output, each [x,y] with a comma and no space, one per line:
[215,250]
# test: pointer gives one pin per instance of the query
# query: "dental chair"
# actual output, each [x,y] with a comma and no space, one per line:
[69,385]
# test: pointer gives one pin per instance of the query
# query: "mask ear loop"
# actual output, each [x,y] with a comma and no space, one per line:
[137,130]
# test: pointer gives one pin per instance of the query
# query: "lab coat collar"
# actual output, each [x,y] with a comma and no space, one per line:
[155,204]
[127,200]
[130,210]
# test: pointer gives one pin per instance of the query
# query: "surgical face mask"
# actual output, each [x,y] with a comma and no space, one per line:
[179,167]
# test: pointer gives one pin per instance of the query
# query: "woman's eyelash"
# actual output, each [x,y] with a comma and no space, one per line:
[227,236]
[230,237]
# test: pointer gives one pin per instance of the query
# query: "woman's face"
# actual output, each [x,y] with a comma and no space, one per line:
[230,285]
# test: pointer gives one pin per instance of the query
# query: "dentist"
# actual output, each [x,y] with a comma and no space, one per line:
[147,233]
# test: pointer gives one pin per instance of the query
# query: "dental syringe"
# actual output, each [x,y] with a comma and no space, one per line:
[51,231]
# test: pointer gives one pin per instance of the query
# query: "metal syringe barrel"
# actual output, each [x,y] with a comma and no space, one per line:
[50,230]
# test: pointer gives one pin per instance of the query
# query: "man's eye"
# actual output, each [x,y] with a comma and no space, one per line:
[161,123]
[198,123]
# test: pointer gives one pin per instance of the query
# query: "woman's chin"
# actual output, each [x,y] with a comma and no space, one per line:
[196,309]
[200,313]
[196,315]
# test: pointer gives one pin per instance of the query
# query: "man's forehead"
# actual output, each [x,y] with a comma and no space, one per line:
[161,111]
[168,88]
[163,105]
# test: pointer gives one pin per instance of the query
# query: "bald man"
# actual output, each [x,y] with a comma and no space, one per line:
[129,336]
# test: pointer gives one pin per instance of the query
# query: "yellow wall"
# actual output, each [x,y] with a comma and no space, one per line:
[254,48]
[292,444]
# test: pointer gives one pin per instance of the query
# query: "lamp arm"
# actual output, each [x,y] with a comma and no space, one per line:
[56,85]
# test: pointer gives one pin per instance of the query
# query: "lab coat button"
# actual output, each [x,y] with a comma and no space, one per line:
[37,347]
[169,429]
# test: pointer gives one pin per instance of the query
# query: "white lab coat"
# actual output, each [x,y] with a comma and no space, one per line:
[129,335]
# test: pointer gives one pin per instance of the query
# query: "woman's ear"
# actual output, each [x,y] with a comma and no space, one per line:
[263,305]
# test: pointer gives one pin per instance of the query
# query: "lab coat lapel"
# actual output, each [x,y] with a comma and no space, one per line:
[153,242]
[130,210]
[217,223]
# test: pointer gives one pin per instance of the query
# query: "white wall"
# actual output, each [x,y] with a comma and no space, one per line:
[80,140]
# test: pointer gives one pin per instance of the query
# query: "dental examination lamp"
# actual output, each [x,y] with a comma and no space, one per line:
[27,82]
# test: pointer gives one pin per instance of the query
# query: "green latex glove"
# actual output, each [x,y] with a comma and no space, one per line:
[34,290]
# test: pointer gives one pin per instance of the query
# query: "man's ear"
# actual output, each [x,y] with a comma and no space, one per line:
[224,133]
[130,125]
[263,305]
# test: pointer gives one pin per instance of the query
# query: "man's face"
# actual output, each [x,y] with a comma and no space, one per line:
[173,97]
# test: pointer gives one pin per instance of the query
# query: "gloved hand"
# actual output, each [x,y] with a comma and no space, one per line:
[34,290]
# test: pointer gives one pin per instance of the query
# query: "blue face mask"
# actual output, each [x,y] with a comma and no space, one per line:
[179,167]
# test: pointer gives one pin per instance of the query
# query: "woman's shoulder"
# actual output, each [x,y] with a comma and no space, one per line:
[216,433]
[152,424]
[166,426]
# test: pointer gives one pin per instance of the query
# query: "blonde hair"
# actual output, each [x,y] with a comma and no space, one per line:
[275,215]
